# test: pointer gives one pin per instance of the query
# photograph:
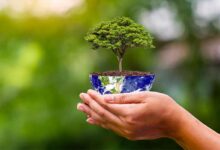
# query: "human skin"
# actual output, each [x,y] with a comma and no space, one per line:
[147,115]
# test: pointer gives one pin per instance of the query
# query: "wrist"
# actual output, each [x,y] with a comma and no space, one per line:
[178,119]
[183,123]
[190,133]
[172,119]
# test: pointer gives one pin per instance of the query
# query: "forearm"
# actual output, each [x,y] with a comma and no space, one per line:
[194,135]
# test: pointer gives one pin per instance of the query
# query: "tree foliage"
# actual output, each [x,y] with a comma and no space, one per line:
[118,35]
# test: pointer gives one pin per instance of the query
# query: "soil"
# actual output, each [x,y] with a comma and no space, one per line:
[123,73]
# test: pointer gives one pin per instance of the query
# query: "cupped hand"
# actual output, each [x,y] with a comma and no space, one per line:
[135,116]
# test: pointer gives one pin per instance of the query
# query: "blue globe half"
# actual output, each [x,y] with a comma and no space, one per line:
[121,84]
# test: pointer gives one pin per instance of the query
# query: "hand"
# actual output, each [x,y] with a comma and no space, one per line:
[135,116]
[148,115]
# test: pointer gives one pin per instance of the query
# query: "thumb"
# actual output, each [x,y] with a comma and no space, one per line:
[125,98]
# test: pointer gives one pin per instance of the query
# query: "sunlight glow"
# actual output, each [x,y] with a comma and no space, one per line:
[20,73]
[208,9]
[162,23]
[39,7]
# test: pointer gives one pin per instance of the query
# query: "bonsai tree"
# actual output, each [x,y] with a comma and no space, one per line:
[119,35]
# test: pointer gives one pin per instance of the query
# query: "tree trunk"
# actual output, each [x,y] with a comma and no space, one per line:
[120,64]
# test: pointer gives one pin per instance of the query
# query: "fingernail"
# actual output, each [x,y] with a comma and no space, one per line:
[90,120]
[89,91]
[81,95]
[80,107]
[92,91]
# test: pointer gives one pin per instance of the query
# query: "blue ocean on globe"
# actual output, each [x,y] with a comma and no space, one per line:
[121,84]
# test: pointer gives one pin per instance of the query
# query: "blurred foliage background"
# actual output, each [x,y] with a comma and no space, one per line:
[45,63]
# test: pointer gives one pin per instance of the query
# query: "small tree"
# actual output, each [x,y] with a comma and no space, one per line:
[118,35]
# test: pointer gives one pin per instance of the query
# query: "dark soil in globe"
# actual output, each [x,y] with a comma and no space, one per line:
[122,73]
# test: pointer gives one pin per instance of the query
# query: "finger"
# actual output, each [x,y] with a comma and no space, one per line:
[90,120]
[103,113]
[84,108]
[97,97]
[112,127]
[117,109]
[94,122]
[125,98]
[122,110]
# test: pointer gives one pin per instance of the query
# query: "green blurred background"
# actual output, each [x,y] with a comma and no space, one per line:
[45,63]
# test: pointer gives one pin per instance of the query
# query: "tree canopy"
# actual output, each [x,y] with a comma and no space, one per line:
[118,35]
